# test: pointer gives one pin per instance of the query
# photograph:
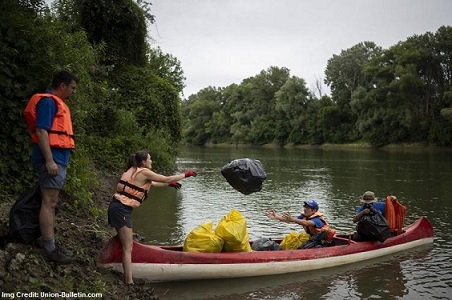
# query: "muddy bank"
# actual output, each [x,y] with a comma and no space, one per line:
[22,269]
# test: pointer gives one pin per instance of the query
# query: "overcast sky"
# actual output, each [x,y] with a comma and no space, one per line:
[220,42]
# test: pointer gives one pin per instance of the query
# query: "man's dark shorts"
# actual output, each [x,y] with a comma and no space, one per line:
[119,215]
[54,182]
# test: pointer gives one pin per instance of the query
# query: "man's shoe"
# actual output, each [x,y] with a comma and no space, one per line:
[64,250]
[56,256]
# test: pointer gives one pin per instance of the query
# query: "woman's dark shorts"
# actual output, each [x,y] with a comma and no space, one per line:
[119,215]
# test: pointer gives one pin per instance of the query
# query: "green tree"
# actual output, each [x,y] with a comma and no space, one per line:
[406,97]
[220,124]
[120,24]
[200,111]
[255,114]
[344,74]
[167,67]
[292,100]
[141,80]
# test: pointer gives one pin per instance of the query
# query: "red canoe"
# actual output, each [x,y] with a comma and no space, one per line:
[170,263]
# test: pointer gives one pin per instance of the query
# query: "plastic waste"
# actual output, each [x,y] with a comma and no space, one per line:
[245,175]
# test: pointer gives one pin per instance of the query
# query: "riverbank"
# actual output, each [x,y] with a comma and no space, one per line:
[23,270]
[363,146]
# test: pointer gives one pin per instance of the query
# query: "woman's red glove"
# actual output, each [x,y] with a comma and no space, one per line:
[175,185]
[190,173]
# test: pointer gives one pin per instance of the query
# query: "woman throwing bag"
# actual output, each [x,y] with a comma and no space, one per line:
[131,191]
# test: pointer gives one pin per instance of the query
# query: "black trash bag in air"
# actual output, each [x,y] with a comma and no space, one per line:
[24,217]
[373,226]
[265,244]
[245,175]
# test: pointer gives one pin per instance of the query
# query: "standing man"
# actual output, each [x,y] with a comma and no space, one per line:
[49,121]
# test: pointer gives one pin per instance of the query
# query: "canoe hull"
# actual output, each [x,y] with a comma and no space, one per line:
[156,264]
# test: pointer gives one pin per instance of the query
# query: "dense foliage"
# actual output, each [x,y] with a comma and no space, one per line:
[379,96]
[129,96]
[127,99]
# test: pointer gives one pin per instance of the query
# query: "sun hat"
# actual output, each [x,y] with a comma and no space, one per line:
[368,197]
[312,204]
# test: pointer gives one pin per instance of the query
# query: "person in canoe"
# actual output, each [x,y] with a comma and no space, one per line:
[370,220]
[131,190]
[312,221]
[369,200]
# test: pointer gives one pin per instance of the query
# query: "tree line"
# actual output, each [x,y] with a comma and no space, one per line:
[402,94]
[128,97]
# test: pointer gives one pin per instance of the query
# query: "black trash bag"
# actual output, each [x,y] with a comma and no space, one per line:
[373,226]
[24,217]
[245,175]
[265,244]
[316,241]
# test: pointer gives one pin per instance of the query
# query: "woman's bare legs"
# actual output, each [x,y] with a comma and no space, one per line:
[126,237]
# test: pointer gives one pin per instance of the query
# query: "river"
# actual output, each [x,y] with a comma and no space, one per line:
[335,178]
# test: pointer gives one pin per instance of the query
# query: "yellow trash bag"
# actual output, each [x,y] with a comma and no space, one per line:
[203,239]
[232,229]
[293,240]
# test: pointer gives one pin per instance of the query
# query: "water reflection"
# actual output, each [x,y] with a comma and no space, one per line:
[363,280]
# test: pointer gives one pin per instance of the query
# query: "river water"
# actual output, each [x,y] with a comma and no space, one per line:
[335,178]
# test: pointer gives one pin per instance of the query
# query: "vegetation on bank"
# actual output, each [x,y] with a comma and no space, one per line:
[402,94]
[128,97]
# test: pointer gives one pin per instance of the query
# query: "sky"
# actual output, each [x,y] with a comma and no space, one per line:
[221,42]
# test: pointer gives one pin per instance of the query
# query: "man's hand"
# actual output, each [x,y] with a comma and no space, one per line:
[52,168]
[271,214]
[287,217]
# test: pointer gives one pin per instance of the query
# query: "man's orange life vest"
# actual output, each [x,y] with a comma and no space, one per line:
[61,134]
[127,192]
[330,232]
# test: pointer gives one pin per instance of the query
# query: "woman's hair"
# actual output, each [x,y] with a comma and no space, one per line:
[136,159]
